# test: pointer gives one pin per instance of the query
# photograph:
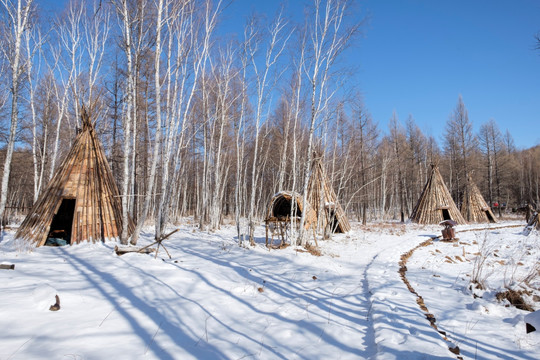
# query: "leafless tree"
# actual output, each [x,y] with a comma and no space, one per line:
[278,37]
[326,37]
[14,26]
[126,22]
[461,144]
[159,24]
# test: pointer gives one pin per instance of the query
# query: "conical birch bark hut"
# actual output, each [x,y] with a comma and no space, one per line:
[435,203]
[474,208]
[324,201]
[81,202]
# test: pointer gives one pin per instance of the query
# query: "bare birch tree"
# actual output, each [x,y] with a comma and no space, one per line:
[67,59]
[157,137]
[328,36]
[276,45]
[194,31]
[125,17]
[16,24]
[33,42]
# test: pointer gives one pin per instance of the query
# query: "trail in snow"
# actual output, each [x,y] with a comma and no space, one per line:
[216,300]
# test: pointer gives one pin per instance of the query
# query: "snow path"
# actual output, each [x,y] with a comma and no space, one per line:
[216,300]
[481,327]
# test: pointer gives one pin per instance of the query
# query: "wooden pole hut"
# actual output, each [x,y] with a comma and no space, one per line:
[81,202]
[279,214]
[321,196]
[435,203]
[281,205]
[474,208]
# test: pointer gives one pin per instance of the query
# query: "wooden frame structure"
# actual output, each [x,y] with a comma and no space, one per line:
[279,217]
[81,202]
[324,200]
[473,207]
[435,203]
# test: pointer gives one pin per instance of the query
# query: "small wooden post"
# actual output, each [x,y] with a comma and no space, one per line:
[266,225]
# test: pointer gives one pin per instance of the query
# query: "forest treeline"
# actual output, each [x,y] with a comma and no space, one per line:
[198,122]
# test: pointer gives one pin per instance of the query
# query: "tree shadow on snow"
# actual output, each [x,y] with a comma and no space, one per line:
[178,336]
[293,294]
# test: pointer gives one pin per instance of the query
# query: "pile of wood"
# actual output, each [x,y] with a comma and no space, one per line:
[81,201]
[435,203]
[325,203]
[474,208]
[533,223]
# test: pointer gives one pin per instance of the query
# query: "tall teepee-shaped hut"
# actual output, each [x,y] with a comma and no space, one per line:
[324,201]
[435,203]
[474,208]
[81,202]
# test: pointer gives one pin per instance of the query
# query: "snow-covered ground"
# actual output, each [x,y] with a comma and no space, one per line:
[216,300]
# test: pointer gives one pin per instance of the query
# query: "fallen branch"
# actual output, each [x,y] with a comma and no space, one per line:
[159,243]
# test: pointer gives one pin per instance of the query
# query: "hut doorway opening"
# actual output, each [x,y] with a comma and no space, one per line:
[333,221]
[62,223]
[490,218]
[446,214]
[282,208]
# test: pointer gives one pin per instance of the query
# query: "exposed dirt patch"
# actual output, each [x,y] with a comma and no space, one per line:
[515,298]
[313,250]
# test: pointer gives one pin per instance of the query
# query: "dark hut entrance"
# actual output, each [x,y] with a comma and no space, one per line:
[446,214]
[62,223]
[279,218]
[489,216]
[333,221]
[282,208]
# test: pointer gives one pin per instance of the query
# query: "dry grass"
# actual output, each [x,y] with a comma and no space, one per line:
[313,250]
[386,228]
[515,298]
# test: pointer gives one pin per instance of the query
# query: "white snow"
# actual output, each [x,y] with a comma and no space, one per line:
[216,300]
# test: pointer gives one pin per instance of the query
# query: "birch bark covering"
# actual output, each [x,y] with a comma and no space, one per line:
[474,208]
[435,201]
[85,176]
[324,201]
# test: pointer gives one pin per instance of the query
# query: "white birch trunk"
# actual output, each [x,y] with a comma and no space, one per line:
[126,29]
[157,141]
[271,57]
[19,17]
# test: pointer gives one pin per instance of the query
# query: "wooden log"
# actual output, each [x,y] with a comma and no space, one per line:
[7,266]
[131,249]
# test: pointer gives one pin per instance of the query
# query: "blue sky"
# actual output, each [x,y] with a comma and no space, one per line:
[417,56]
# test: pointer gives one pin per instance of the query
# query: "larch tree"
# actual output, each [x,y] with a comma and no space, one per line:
[366,134]
[398,140]
[461,143]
